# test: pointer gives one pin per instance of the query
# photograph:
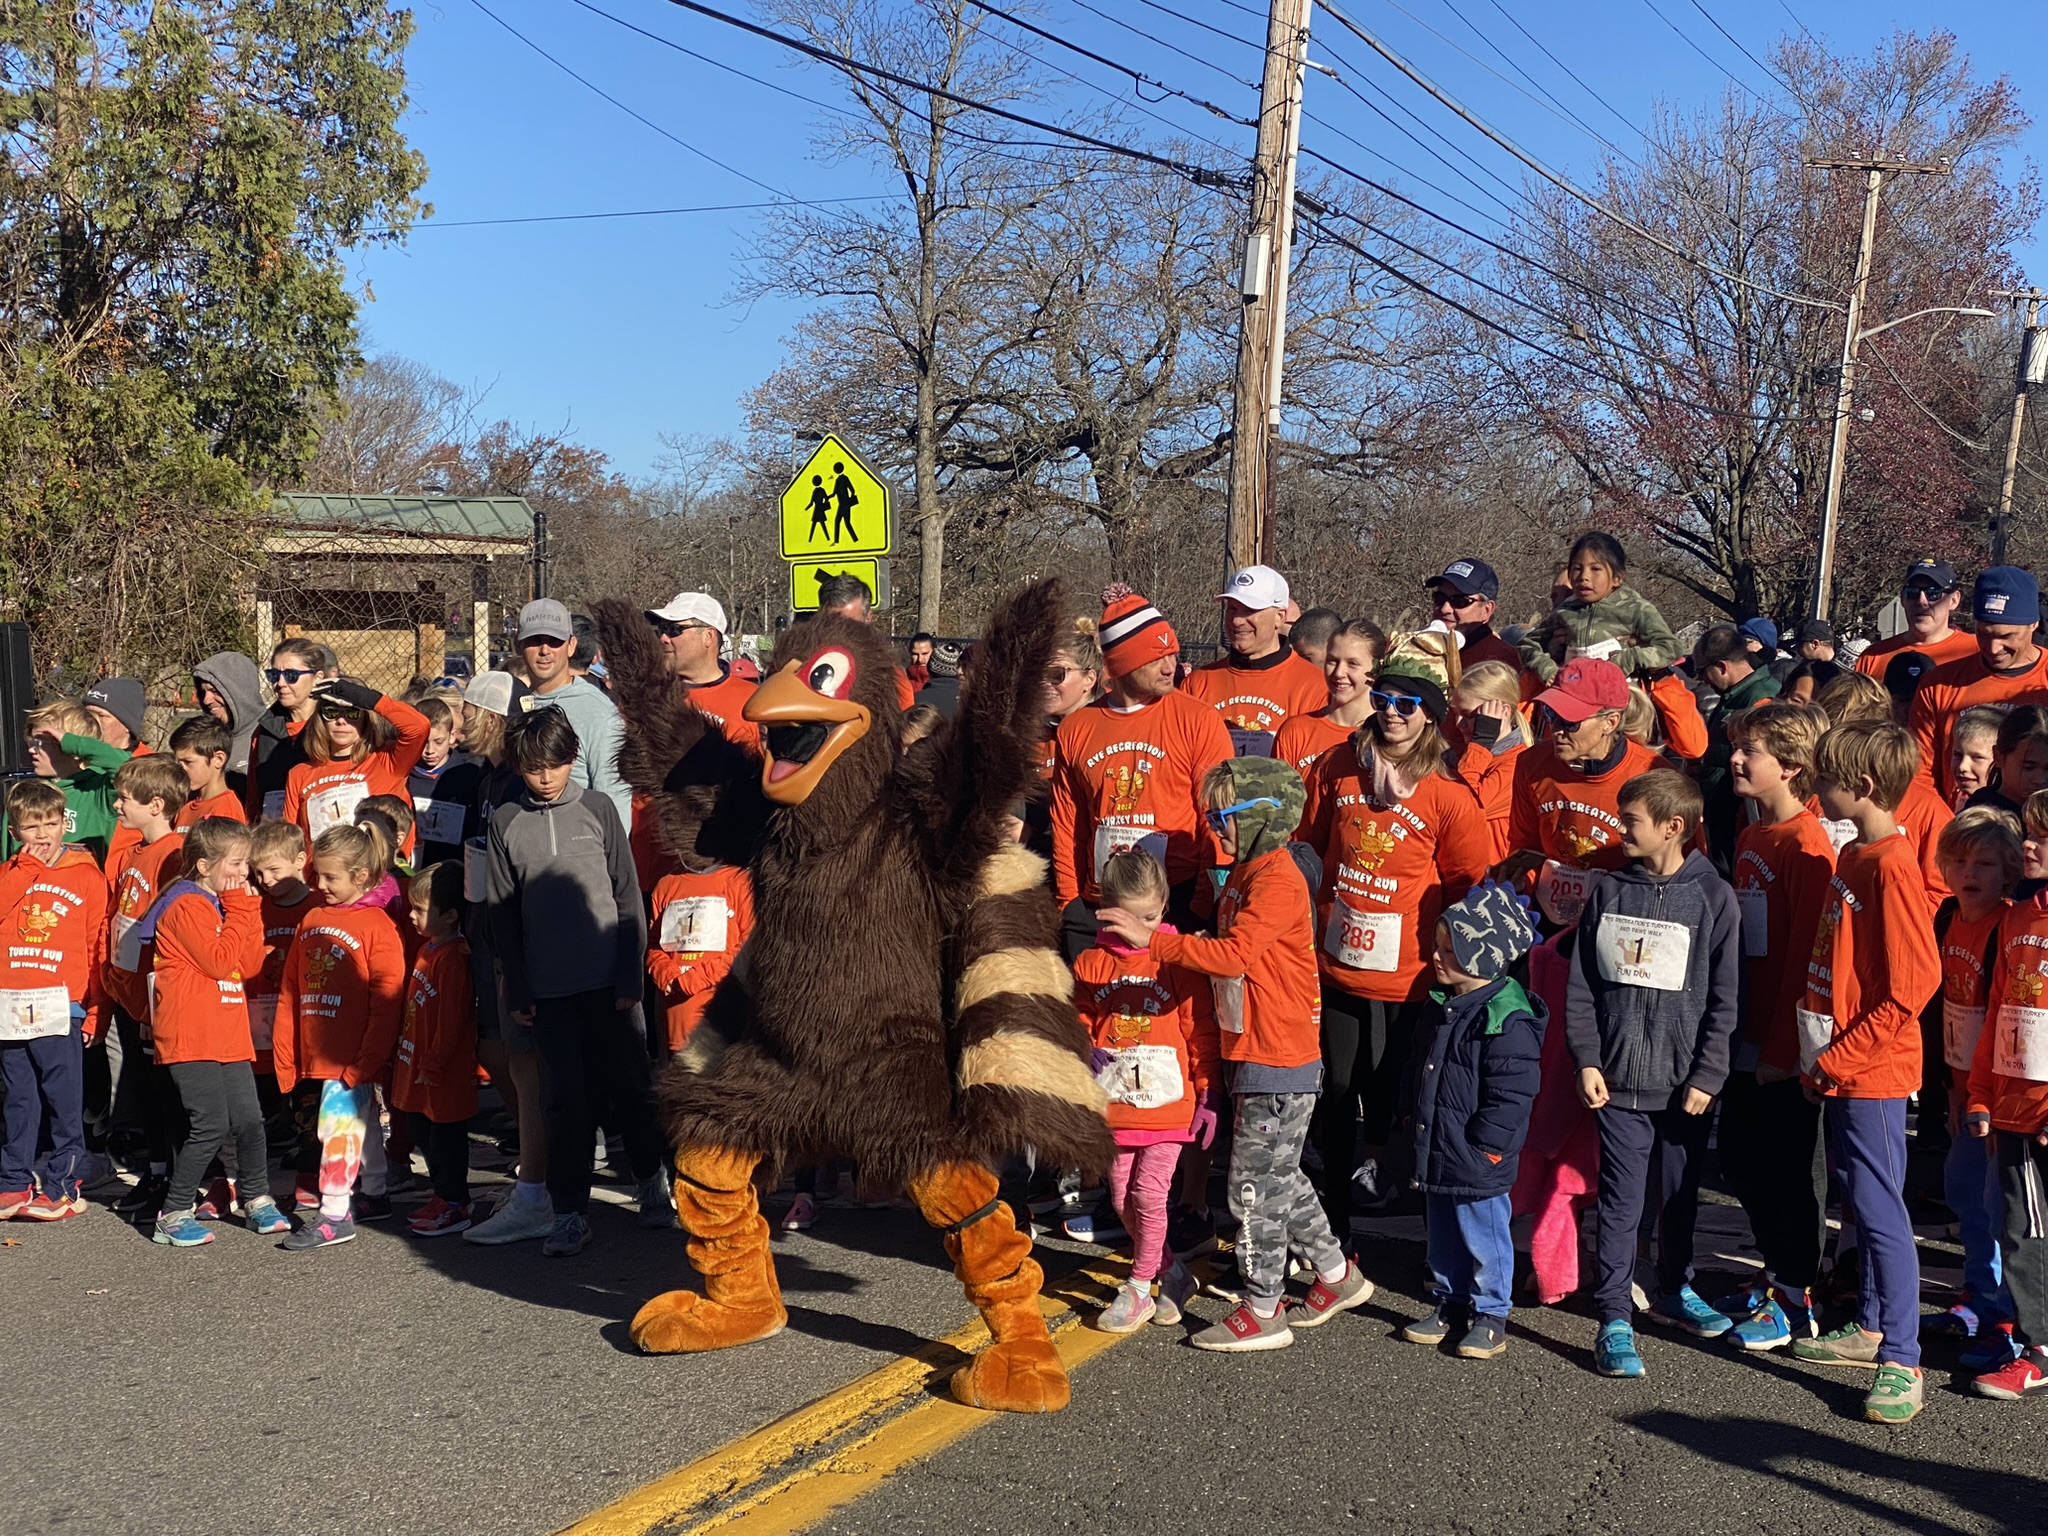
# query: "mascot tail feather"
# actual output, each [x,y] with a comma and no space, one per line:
[1022,1069]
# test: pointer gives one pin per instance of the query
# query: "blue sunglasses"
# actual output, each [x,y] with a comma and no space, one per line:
[1218,818]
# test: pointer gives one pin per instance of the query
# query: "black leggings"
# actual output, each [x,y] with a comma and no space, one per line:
[447,1149]
[592,1053]
[1771,1154]
[1365,1057]
[220,1102]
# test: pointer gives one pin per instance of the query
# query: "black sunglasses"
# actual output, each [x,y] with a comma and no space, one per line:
[330,712]
[670,629]
[1444,597]
[277,675]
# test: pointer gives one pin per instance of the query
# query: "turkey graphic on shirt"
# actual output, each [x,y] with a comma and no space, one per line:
[1127,788]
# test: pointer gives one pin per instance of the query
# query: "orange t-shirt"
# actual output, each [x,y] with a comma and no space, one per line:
[328,793]
[227,803]
[1302,739]
[1952,688]
[1569,816]
[2015,1102]
[1256,699]
[1490,775]
[651,858]
[1781,876]
[338,1008]
[1969,967]
[1269,1003]
[124,838]
[1132,1000]
[1388,873]
[1874,967]
[1133,778]
[1678,714]
[1877,656]
[433,1069]
[55,918]
[202,954]
[689,954]
[145,872]
[721,703]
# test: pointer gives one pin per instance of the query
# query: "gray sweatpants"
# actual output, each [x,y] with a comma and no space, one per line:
[1272,1197]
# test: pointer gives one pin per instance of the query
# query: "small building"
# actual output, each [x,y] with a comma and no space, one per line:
[398,587]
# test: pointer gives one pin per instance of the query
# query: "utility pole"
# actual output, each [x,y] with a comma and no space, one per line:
[1873,173]
[1262,333]
[2033,369]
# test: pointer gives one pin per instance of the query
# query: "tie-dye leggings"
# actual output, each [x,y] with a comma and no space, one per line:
[348,1146]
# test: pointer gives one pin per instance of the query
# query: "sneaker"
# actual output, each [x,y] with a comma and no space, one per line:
[2015,1379]
[1766,1328]
[46,1208]
[1369,1187]
[180,1229]
[1994,1351]
[569,1236]
[1132,1309]
[97,1171]
[372,1208]
[448,1219]
[514,1221]
[1324,1301]
[1189,1232]
[1245,1331]
[1175,1287]
[320,1232]
[1100,1226]
[14,1201]
[801,1216]
[1958,1322]
[1847,1345]
[1614,1351]
[1685,1311]
[1897,1395]
[1743,1302]
[1433,1329]
[657,1209]
[264,1217]
[305,1196]
[143,1200]
[1486,1339]
[216,1201]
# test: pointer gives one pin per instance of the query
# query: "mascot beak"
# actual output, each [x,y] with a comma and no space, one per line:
[803,733]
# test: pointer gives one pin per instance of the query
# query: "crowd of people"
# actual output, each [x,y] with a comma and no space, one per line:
[1526,921]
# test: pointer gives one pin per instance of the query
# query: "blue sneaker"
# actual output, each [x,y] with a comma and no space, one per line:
[1685,1311]
[1100,1225]
[1958,1322]
[265,1218]
[180,1229]
[1993,1352]
[1614,1351]
[1766,1328]
[1743,1302]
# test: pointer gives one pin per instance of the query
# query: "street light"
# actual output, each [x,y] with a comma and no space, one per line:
[1824,576]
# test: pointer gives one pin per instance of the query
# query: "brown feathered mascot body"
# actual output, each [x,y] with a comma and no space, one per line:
[900,1001]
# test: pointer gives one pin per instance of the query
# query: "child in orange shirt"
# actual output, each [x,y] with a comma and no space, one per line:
[1874,966]
[53,905]
[433,1074]
[1156,1057]
[277,863]
[337,1021]
[200,747]
[1262,970]
[206,934]
[358,744]
[700,918]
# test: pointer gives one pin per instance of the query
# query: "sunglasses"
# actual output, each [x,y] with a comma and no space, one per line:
[1056,677]
[276,675]
[1444,597]
[669,629]
[1217,819]
[353,716]
[1402,704]
[1926,592]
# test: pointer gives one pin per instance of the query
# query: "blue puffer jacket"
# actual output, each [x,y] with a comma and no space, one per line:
[1477,1089]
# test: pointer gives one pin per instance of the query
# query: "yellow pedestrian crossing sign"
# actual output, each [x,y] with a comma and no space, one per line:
[836,506]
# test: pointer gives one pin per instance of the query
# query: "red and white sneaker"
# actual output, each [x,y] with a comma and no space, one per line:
[216,1201]
[14,1201]
[445,1221]
[1325,1301]
[305,1197]
[44,1208]
[2012,1382]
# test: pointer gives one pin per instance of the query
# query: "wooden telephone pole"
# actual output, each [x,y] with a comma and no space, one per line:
[1262,334]
[2032,365]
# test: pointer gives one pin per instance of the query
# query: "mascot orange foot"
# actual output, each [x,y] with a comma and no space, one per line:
[729,1245]
[1020,1372]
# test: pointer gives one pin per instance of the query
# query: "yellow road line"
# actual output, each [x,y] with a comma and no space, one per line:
[793,1472]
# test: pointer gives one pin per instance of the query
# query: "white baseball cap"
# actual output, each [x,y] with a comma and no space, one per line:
[493,691]
[691,607]
[1257,587]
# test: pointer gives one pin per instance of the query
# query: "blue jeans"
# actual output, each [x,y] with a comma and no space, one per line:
[43,1082]
[1868,1139]
[1471,1255]
[1969,1178]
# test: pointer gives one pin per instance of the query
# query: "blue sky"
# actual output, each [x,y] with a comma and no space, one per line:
[622,329]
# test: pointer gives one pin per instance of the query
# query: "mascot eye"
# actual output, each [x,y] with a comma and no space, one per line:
[831,673]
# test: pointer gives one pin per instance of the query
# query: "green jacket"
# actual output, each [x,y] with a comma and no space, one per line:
[1623,614]
[1716,788]
[88,795]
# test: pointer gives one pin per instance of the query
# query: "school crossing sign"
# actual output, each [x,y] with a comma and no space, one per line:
[836,507]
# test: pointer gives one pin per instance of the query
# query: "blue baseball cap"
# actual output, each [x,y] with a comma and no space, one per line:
[2006,594]
[1469,578]
[1762,631]
[1938,574]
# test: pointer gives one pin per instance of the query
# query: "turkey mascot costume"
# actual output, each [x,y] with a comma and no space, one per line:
[900,1000]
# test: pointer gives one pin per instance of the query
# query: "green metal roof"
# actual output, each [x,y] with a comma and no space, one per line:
[432,517]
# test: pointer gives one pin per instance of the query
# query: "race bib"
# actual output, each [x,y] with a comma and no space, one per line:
[1640,952]
[126,933]
[439,821]
[1599,650]
[1561,892]
[2020,1048]
[1248,743]
[1228,992]
[1816,1034]
[695,925]
[1363,941]
[1143,1076]
[273,806]
[34,1013]
[1960,1027]
[334,807]
[1840,833]
[1111,841]
[262,1021]
[476,866]
[1755,903]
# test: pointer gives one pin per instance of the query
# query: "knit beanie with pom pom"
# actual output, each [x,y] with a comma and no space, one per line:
[1133,632]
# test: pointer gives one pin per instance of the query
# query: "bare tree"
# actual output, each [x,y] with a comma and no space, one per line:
[394,427]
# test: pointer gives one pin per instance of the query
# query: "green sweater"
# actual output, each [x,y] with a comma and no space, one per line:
[89,793]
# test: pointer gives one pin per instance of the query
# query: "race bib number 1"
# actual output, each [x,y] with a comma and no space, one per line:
[439,821]
[695,925]
[2020,1049]
[1960,1029]
[1640,952]
[34,1013]
[334,807]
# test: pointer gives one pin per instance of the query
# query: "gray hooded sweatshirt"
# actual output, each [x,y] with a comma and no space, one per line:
[235,677]
[1652,1000]
[565,912]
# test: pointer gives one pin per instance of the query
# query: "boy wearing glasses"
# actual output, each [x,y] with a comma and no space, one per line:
[1262,970]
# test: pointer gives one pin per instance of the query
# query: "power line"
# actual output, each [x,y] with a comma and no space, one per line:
[1715,23]
[617,213]
[1138,77]
[1516,65]
[1118,21]
[1619,116]
[1685,37]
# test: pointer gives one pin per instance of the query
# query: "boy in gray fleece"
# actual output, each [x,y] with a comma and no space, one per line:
[571,936]
[1649,1015]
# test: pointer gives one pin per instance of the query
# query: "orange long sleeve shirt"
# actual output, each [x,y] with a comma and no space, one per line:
[1256,700]
[721,909]
[1874,967]
[202,956]
[1123,775]
[144,873]
[1952,688]
[1388,873]
[56,928]
[1678,714]
[433,1067]
[1131,1000]
[1269,1003]
[227,803]
[1969,971]
[1781,877]
[280,928]
[316,795]
[1569,816]
[2004,1082]
[1302,739]
[338,1009]
[1878,654]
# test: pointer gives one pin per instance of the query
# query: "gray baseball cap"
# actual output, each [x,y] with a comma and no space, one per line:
[545,619]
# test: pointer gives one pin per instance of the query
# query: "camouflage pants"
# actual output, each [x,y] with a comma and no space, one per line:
[1272,1197]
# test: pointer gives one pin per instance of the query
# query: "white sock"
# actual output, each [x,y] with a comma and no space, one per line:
[530,1194]
[329,1204]
[1332,1276]
[1263,1308]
